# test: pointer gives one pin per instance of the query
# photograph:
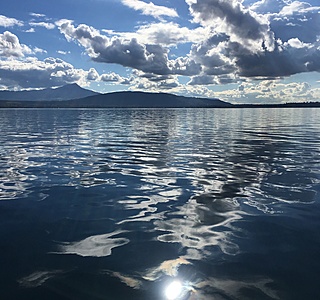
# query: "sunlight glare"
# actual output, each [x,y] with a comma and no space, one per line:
[174,290]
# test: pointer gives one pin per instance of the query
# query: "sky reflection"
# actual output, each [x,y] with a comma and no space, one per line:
[158,196]
[95,246]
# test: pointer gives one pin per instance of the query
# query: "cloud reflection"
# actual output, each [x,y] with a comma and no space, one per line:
[193,226]
[188,285]
[38,278]
[96,245]
[168,267]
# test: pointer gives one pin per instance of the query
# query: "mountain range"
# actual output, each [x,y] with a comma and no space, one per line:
[73,96]
[66,92]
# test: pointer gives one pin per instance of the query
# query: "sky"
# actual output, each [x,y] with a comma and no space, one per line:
[240,51]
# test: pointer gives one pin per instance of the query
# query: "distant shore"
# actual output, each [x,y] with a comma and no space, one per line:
[73,96]
[74,104]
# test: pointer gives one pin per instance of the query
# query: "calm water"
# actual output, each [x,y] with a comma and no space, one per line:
[160,204]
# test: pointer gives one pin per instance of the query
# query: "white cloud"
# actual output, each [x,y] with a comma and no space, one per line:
[43,24]
[269,6]
[63,52]
[169,34]
[10,46]
[31,30]
[293,7]
[150,8]
[92,74]
[231,42]
[114,78]
[39,50]
[9,22]
[36,15]
[152,58]
[167,83]
[231,48]
[34,73]
[296,20]
[296,43]
[272,91]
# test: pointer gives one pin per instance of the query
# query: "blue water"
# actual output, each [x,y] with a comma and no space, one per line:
[160,204]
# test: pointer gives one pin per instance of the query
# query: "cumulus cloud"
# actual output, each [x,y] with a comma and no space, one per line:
[10,46]
[150,82]
[290,58]
[296,43]
[239,40]
[268,6]
[229,41]
[92,74]
[9,22]
[150,8]
[213,56]
[209,79]
[31,30]
[114,78]
[34,73]
[202,80]
[240,24]
[292,7]
[168,34]
[149,58]
[277,91]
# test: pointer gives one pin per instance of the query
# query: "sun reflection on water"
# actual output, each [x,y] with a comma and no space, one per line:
[174,290]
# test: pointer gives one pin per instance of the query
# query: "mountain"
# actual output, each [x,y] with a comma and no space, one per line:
[124,100]
[145,100]
[67,92]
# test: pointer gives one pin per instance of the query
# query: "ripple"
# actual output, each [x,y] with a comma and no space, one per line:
[209,187]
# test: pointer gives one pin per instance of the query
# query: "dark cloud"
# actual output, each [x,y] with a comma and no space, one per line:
[283,61]
[269,39]
[128,53]
[232,18]
[296,27]
[202,80]
[153,77]
[210,54]
[149,58]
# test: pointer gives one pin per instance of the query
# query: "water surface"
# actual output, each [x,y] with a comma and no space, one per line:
[160,204]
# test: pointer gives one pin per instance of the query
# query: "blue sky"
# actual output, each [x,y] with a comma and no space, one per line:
[239,51]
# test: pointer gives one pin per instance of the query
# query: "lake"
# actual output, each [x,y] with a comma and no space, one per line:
[160,204]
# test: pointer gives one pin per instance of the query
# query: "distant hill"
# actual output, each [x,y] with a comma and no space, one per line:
[145,100]
[67,92]
[124,100]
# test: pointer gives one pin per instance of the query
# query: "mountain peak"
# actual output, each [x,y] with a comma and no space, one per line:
[65,92]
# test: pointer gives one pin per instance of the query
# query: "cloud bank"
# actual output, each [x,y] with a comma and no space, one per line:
[235,40]
[218,43]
